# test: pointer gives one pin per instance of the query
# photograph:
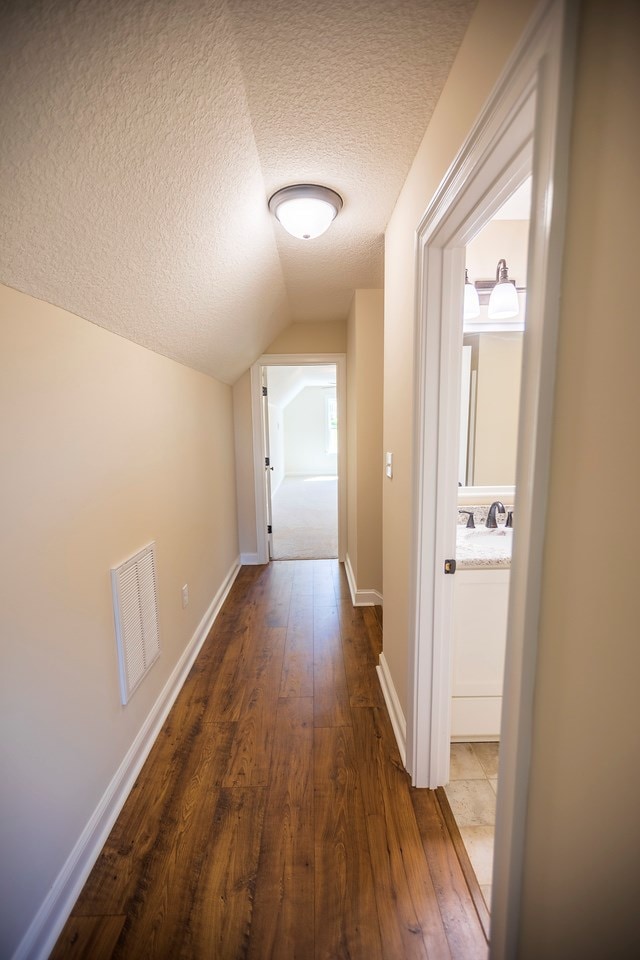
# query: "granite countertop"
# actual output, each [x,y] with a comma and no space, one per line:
[483,547]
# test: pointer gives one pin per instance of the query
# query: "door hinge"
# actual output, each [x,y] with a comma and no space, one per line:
[264,391]
[269,528]
[267,462]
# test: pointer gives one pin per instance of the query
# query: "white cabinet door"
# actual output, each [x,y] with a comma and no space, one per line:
[479,638]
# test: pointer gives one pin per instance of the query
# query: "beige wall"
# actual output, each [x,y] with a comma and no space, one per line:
[106,446]
[245,484]
[365,460]
[499,238]
[493,31]
[299,338]
[583,840]
[326,337]
[352,452]
[498,356]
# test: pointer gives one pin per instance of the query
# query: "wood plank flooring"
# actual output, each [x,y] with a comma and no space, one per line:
[273,819]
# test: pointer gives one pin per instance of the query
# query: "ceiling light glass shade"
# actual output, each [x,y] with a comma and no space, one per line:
[305,218]
[305,210]
[471,301]
[503,302]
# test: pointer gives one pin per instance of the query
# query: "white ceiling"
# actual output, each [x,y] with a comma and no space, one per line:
[518,205]
[285,383]
[141,139]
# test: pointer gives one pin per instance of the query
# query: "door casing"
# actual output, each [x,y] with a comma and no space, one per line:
[523,129]
[297,360]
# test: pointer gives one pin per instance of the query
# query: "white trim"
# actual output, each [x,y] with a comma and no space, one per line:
[524,128]
[262,543]
[394,709]
[360,598]
[46,926]
[298,360]
[351,580]
[555,33]
[249,559]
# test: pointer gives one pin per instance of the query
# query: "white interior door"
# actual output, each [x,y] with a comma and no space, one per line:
[268,466]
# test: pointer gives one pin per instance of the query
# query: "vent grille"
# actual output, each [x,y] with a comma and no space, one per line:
[135,605]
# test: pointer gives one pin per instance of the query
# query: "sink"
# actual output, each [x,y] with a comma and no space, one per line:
[484,531]
[484,545]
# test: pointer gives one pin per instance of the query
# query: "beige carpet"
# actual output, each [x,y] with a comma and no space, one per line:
[305,519]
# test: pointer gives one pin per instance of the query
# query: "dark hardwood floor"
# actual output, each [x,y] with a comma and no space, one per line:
[273,817]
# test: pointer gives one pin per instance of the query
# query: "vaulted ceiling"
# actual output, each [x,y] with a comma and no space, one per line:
[285,383]
[140,141]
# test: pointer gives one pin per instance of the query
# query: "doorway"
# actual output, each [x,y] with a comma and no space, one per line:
[302,433]
[522,131]
[490,397]
[307,401]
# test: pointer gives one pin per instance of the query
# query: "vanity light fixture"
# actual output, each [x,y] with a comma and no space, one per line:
[503,302]
[305,210]
[471,301]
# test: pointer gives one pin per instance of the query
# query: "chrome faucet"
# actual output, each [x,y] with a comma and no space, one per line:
[496,507]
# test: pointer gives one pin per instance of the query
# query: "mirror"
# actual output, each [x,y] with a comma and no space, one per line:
[491,397]
[492,360]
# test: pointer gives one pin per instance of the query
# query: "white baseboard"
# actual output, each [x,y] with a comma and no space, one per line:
[249,559]
[398,721]
[360,598]
[47,924]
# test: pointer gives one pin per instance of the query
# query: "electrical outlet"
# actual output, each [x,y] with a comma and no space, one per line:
[185,595]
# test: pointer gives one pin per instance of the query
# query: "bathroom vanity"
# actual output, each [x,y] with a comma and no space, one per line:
[481,593]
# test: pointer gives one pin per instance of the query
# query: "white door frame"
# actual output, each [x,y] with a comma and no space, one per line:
[523,128]
[297,360]
[266,447]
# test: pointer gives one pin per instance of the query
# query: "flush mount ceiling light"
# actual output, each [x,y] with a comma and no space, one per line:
[305,210]
[503,302]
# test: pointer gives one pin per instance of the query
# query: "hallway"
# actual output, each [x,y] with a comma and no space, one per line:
[273,818]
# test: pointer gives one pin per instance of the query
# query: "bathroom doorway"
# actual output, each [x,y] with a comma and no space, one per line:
[523,131]
[490,364]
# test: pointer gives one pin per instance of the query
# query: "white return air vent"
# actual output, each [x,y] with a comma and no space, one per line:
[135,606]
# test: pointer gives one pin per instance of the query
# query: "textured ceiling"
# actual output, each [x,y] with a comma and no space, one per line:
[140,141]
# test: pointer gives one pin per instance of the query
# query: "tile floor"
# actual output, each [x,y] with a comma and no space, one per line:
[471,792]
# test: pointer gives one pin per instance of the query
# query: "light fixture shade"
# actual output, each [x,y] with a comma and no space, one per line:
[503,302]
[471,301]
[305,210]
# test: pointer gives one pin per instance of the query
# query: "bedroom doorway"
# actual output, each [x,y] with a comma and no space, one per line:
[299,439]
[301,420]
